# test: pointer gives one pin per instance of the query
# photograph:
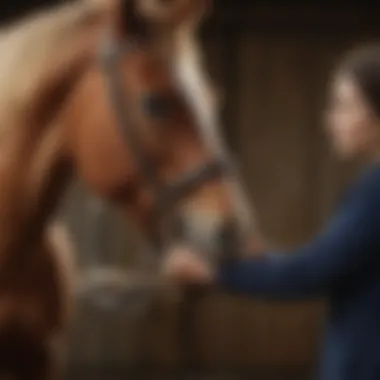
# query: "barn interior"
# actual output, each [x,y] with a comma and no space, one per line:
[273,62]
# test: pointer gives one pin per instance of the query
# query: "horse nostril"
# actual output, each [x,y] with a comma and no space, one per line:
[229,240]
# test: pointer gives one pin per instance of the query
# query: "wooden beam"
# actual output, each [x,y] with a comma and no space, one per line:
[296,19]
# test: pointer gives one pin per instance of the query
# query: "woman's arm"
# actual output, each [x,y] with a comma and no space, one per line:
[351,240]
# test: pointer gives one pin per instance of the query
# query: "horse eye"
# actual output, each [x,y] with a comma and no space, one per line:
[155,105]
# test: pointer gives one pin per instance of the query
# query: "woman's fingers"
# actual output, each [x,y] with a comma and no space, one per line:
[184,266]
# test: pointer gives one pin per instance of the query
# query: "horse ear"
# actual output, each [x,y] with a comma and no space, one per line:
[190,12]
[175,13]
[132,21]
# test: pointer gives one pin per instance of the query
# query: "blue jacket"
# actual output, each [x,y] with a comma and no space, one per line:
[342,263]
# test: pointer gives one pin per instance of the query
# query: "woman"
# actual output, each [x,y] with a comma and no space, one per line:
[343,262]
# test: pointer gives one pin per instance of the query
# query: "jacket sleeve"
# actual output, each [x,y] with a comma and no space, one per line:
[350,241]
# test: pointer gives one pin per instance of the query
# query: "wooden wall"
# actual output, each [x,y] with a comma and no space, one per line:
[274,66]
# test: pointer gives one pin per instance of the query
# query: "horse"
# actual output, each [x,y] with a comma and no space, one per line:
[113,93]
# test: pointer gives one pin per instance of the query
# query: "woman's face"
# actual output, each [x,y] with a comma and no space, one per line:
[351,125]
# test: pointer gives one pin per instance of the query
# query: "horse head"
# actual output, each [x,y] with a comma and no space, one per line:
[143,131]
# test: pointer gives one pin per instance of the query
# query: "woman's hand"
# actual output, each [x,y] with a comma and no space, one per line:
[186,267]
[254,247]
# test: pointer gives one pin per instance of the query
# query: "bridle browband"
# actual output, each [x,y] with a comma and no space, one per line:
[165,195]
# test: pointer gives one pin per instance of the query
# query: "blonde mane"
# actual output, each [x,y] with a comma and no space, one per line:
[197,84]
[28,46]
[201,94]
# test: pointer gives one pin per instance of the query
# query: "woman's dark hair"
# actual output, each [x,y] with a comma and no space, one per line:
[363,65]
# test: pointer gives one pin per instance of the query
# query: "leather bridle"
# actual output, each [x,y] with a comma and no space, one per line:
[165,195]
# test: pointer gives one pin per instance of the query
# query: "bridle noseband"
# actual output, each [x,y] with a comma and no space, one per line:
[165,195]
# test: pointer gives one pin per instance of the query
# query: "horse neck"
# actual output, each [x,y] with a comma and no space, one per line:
[33,168]
[33,176]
